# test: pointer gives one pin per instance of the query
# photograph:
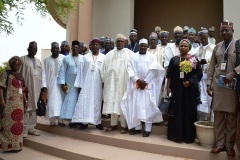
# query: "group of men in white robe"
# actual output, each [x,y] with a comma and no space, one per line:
[130,84]
[100,77]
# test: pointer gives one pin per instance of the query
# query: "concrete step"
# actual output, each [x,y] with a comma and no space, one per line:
[156,144]
[75,149]
[28,154]
[157,128]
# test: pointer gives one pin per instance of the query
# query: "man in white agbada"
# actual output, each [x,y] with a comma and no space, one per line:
[164,37]
[204,54]
[114,75]
[51,67]
[140,101]
[154,49]
[211,32]
[89,82]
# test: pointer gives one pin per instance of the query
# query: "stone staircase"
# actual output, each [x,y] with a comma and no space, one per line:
[92,144]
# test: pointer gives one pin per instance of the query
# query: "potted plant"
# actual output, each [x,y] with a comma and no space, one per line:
[205,132]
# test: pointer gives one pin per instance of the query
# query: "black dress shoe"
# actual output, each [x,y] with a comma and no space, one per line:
[72,125]
[99,127]
[146,134]
[133,132]
[218,149]
[83,126]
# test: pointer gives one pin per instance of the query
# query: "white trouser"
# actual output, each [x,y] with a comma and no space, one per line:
[148,127]
[53,119]
[114,120]
[30,121]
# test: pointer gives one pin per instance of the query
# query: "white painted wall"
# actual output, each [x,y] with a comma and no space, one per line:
[45,53]
[231,13]
[111,17]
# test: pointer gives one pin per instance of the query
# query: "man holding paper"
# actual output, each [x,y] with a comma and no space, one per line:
[225,100]
[140,101]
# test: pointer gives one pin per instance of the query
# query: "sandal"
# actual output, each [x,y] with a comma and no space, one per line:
[111,128]
[52,124]
[123,130]
[61,124]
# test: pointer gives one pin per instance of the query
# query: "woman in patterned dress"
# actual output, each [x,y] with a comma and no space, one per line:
[14,103]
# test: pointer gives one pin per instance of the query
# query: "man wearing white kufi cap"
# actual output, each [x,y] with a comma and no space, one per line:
[140,101]
[114,75]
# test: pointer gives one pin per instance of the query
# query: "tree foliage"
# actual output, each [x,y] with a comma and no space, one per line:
[5,66]
[41,6]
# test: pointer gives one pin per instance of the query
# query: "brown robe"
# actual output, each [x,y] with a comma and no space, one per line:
[223,99]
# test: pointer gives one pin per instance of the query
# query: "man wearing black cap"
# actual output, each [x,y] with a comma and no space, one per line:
[66,79]
[81,48]
[225,100]
[31,71]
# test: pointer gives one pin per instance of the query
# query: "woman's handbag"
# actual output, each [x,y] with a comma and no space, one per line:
[41,110]
[167,106]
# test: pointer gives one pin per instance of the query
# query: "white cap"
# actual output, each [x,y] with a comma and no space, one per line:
[143,41]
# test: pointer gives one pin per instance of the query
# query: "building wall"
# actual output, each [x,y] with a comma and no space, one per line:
[168,14]
[231,8]
[111,17]
[45,53]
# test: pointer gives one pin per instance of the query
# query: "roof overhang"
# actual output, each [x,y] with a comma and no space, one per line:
[59,18]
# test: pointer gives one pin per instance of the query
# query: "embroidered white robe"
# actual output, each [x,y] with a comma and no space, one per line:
[55,95]
[142,105]
[114,75]
[88,107]
[204,52]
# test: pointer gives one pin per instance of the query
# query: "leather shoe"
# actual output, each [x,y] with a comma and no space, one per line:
[83,126]
[218,149]
[111,128]
[123,130]
[230,152]
[133,132]
[146,134]
[72,125]
[99,127]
